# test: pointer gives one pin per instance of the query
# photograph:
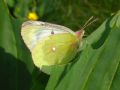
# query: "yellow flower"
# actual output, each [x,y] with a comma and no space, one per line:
[32,16]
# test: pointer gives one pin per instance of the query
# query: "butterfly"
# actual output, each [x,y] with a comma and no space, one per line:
[51,44]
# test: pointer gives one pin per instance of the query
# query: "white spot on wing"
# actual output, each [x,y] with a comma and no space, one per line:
[53,49]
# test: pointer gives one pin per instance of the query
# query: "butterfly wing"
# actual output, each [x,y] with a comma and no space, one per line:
[34,31]
[49,44]
[57,49]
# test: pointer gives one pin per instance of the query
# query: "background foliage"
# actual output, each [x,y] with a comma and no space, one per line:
[95,68]
[70,13]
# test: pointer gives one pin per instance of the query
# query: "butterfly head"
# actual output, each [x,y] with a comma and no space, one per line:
[80,33]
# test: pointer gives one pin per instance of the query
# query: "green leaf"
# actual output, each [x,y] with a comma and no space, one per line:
[17,71]
[10,3]
[97,65]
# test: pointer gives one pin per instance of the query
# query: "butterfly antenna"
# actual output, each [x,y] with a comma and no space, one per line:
[88,22]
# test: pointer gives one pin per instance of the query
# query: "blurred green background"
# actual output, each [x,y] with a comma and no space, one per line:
[70,13]
[17,70]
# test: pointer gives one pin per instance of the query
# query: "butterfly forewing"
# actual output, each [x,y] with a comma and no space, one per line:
[34,31]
